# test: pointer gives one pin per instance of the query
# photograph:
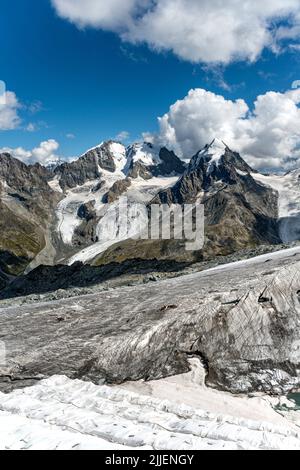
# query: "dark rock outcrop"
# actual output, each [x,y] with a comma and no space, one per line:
[27,205]
[117,189]
[87,211]
[86,232]
[159,162]
[86,168]
[78,172]
[239,211]
[170,164]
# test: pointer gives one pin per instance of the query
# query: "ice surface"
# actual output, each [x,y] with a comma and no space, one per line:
[110,229]
[59,413]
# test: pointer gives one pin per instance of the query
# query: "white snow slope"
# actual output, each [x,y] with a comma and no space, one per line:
[108,229]
[59,413]
[288,187]
[212,153]
[142,191]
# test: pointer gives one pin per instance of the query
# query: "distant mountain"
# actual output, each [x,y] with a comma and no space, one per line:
[240,211]
[138,160]
[146,161]
[52,165]
[59,213]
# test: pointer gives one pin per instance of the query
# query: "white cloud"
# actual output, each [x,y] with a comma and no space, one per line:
[44,153]
[9,117]
[112,14]
[123,135]
[268,136]
[31,127]
[211,31]
[2,92]
[35,107]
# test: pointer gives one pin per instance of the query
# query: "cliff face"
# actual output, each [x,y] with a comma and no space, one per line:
[241,320]
[239,211]
[27,207]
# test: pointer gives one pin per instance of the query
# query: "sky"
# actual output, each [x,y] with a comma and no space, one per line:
[175,72]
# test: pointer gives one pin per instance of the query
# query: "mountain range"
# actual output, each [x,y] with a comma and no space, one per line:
[60,214]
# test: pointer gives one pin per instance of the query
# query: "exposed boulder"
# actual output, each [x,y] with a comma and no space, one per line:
[87,211]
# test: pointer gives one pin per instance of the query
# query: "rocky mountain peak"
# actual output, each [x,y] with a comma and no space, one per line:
[217,155]
[211,154]
[146,160]
[23,178]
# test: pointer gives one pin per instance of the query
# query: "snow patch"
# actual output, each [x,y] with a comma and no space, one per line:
[288,188]
[212,154]
[110,229]
[54,185]
[143,152]
[119,153]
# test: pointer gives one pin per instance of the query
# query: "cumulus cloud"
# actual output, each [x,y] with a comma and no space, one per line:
[211,31]
[268,136]
[115,14]
[9,108]
[43,154]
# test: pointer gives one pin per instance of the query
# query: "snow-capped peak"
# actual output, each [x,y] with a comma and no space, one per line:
[53,164]
[92,149]
[115,151]
[211,153]
[143,152]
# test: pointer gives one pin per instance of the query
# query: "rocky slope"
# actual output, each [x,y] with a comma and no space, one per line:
[239,210]
[27,211]
[241,320]
[66,213]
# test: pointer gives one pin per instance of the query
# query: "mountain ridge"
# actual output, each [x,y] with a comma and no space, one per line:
[65,208]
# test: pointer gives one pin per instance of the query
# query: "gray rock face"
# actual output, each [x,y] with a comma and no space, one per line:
[164,162]
[87,211]
[117,189]
[239,210]
[85,233]
[86,168]
[78,172]
[241,320]
[25,180]
[170,164]
[139,170]
[27,205]
[3,280]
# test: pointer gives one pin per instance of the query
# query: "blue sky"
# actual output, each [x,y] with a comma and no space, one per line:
[82,86]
